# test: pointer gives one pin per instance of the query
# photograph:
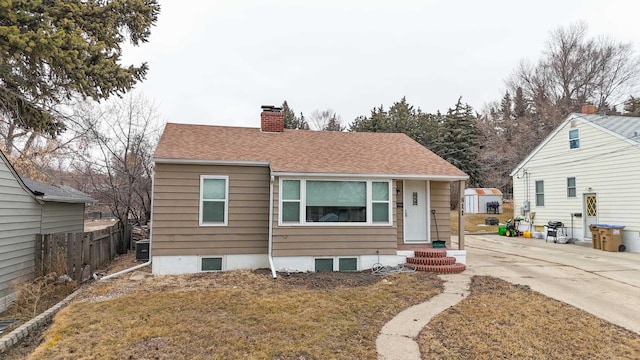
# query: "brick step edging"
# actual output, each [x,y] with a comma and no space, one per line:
[431,260]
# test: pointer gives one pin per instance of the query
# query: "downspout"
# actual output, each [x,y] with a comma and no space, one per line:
[110,276]
[270,240]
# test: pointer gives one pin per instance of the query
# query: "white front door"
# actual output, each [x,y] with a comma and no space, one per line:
[415,211]
[590,213]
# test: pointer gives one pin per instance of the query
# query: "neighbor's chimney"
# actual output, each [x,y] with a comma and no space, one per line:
[271,119]
[588,109]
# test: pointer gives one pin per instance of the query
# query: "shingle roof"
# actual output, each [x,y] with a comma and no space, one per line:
[59,193]
[303,151]
[625,126]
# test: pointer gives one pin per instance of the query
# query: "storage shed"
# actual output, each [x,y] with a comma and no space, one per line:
[483,201]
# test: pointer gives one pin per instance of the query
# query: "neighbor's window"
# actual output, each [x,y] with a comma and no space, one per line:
[574,139]
[539,193]
[291,201]
[326,201]
[571,187]
[214,193]
[336,201]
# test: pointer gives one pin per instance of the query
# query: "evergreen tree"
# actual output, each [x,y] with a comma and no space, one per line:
[460,140]
[56,50]
[505,107]
[520,106]
[632,106]
[291,121]
[334,124]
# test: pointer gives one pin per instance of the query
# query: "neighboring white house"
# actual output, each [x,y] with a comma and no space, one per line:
[483,201]
[587,171]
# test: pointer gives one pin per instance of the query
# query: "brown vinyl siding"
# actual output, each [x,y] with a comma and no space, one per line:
[176,202]
[440,201]
[303,240]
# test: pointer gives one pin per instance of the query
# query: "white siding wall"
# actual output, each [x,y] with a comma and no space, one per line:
[605,163]
[19,224]
[62,217]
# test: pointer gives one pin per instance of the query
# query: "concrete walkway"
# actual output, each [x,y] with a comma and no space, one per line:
[605,284]
[396,339]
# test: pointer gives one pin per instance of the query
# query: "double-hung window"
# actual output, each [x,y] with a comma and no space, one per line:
[574,139]
[540,193]
[571,187]
[214,195]
[335,202]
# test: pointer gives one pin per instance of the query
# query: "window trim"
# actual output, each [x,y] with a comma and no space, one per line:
[574,188]
[348,258]
[539,193]
[226,200]
[303,202]
[572,139]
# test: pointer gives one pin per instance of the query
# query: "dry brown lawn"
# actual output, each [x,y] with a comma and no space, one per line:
[234,315]
[500,320]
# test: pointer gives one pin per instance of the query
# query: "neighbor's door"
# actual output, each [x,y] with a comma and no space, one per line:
[591,213]
[415,211]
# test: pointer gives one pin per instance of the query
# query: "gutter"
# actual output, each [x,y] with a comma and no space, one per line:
[270,240]
[110,276]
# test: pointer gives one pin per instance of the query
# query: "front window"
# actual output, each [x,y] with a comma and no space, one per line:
[574,139]
[328,201]
[336,201]
[571,187]
[539,193]
[214,192]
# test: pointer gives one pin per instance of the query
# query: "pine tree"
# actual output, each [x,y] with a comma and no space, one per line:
[460,141]
[520,106]
[291,121]
[632,106]
[505,107]
[55,50]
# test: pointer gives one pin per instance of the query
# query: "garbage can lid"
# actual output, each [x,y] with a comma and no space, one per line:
[608,226]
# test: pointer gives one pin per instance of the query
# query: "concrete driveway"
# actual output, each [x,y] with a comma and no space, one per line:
[605,284]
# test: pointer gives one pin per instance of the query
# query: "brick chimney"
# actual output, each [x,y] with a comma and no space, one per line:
[588,109]
[271,119]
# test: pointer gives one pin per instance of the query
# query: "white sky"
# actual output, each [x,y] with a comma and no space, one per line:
[217,62]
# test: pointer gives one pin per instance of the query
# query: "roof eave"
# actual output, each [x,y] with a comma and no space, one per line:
[61,199]
[375,176]
[210,162]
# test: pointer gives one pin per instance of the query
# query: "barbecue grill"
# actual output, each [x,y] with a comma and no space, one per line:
[552,230]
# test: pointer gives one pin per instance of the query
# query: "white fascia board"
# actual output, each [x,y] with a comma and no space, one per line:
[543,143]
[372,176]
[60,199]
[210,162]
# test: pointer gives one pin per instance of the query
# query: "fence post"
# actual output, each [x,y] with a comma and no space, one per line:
[38,256]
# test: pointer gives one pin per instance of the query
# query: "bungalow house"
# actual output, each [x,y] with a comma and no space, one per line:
[584,173]
[293,200]
[28,208]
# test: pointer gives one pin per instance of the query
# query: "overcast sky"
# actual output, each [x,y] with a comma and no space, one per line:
[217,62]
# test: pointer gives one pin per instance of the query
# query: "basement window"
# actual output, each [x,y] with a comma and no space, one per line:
[324,265]
[211,264]
[347,264]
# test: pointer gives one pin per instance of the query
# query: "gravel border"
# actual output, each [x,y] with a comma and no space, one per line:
[31,326]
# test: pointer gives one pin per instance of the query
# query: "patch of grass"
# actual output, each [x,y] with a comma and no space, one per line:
[474,223]
[238,315]
[504,321]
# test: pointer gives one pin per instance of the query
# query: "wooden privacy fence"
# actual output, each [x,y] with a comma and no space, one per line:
[70,253]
